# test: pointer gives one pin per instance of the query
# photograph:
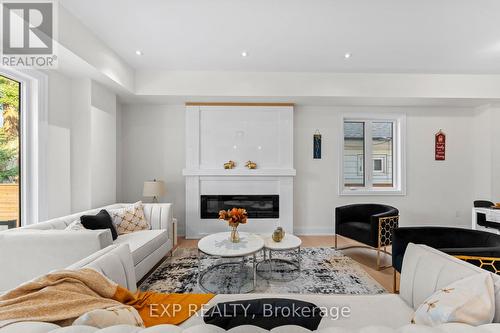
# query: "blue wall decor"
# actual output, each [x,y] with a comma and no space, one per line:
[317,145]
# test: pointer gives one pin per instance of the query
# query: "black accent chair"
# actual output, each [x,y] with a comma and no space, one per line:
[481,218]
[370,224]
[483,204]
[477,247]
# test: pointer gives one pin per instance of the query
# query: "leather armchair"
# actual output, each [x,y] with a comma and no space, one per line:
[453,241]
[483,203]
[361,221]
[370,224]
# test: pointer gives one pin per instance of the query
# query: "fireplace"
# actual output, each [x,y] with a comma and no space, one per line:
[261,133]
[257,206]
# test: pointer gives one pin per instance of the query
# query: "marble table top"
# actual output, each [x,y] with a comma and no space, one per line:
[289,242]
[219,245]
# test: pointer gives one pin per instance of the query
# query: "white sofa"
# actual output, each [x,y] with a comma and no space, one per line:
[34,250]
[424,271]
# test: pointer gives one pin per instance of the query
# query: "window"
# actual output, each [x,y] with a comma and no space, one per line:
[379,165]
[372,156]
[32,141]
[10,92]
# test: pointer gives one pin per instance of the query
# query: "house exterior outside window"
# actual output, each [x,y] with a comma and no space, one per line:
[372,154]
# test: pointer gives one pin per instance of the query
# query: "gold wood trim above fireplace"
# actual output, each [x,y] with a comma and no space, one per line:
[236,104]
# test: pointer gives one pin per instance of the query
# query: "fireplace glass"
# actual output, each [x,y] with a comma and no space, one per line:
[257,206]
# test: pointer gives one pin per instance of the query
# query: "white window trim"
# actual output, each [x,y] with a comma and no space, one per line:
[399,158]
[383,161]
[34,129]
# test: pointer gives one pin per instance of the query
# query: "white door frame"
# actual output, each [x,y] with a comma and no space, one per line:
[34,129]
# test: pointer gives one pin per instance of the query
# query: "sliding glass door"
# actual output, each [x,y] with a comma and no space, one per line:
[10,152]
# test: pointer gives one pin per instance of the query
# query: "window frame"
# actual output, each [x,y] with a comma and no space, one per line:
[360,169]
[33,142]
[398,159]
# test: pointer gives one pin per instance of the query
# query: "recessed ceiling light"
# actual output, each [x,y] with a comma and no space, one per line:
[347,55]
[244,54]
[138,52]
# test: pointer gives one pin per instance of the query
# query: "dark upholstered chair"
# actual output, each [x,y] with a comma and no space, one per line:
[481,218]
[370,224]
[483,204]
[466,244]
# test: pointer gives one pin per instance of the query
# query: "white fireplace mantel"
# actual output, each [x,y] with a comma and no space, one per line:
[240,172]
[217,134]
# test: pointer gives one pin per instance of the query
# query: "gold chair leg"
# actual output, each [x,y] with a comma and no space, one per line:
[394,280]
[378,249]
[379,266]
[378,258]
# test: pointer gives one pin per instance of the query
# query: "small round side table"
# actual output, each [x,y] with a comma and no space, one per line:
[280,269]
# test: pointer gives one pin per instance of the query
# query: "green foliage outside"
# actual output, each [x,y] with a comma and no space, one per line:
[9,132]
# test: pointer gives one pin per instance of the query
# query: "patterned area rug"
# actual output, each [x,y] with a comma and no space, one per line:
[323,271]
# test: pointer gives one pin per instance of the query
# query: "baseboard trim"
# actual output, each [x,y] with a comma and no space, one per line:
[313,231]
[297,231]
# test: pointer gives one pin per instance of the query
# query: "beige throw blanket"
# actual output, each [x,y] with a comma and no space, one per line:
[63,296]
[58,298]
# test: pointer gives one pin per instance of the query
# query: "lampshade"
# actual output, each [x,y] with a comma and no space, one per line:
[154,188]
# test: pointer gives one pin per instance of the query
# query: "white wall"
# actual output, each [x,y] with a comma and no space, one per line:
[81,145]
[153,146]
[102,146]
[487,153]
[438,193]
[58,146]
[482,154]
[119,150]
[495,150]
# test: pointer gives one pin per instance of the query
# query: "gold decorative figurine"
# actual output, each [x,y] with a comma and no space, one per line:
[229,165]
[251,165]
[278,234]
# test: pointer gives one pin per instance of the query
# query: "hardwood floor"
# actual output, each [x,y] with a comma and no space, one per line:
[365,257]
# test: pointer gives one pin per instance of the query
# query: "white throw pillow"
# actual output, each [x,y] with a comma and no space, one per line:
[117,315]
[75,226]
[129,219]
[470,301]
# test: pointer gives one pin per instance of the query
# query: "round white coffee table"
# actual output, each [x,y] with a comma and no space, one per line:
[277,268]
[228,271]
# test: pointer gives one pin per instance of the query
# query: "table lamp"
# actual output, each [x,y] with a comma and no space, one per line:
[155,189]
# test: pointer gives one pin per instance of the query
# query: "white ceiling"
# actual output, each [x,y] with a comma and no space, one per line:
[423,36]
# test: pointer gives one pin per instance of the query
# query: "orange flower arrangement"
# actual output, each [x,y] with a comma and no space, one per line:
[234,216]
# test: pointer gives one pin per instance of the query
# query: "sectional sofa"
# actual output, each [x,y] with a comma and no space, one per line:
[425,270]
[34,250]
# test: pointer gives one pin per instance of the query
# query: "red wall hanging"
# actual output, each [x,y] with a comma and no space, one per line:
[440,146]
